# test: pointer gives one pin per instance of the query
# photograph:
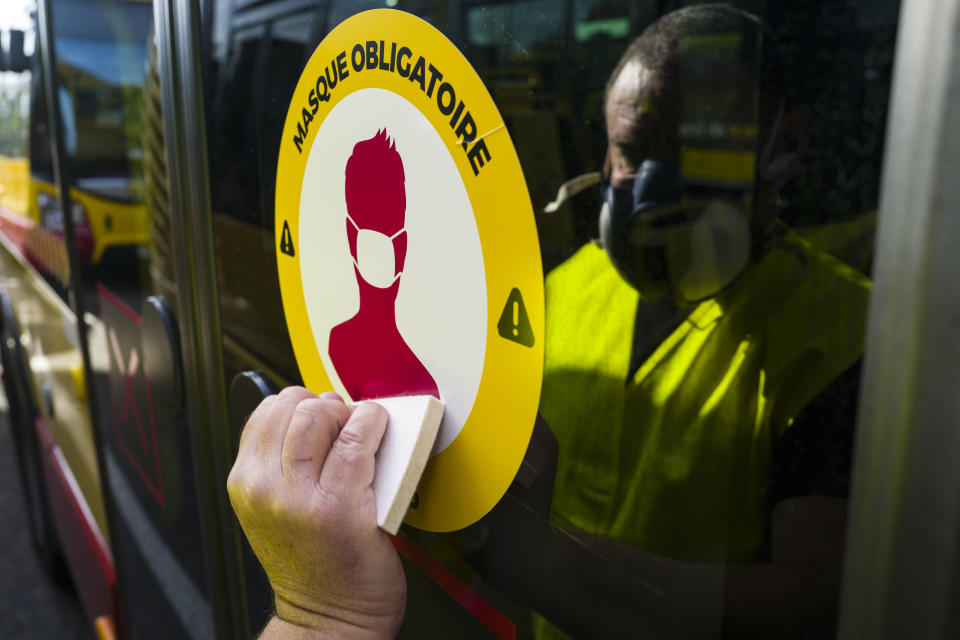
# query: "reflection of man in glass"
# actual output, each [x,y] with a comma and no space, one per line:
[698,372]
[371,357]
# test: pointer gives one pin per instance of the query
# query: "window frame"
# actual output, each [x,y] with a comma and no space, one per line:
[902,563]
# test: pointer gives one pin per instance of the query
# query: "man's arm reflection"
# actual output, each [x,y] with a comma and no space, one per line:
[590,585]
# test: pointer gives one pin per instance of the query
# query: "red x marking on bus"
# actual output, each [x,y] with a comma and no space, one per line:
[129,373]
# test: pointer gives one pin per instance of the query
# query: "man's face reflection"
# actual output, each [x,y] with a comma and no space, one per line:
[636,130]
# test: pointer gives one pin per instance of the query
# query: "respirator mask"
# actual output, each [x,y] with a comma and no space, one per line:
[691,244]
[376,256]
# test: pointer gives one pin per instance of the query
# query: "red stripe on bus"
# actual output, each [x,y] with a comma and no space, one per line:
[486,613]
[84,547]
[15,227]
[115,300]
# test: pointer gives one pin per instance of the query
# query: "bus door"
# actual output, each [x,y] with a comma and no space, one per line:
[133,306]
[248,57]
[630,471]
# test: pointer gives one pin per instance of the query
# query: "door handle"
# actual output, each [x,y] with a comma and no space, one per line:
[160,346]
[247,390]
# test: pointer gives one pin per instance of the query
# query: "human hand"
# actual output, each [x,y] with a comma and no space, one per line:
[301,488]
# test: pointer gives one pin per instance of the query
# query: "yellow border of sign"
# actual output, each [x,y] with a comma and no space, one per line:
[465,480]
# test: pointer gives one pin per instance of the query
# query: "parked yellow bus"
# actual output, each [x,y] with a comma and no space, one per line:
[100,98]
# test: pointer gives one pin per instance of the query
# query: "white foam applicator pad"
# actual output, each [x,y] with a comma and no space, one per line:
[403,454]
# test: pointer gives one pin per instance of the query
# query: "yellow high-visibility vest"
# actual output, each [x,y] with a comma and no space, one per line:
[676,460]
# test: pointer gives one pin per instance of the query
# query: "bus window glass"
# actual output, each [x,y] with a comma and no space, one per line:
[101,57]
[706,266]
[110,97]
[100,65]
[523,27]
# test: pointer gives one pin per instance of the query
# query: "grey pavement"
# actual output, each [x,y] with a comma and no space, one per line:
[31,604]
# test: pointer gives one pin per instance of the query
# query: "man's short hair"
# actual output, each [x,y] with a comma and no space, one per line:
[657,48]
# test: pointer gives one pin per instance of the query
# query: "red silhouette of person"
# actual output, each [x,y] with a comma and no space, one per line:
[368,352]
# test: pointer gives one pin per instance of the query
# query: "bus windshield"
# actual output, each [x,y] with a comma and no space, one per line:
[102,56]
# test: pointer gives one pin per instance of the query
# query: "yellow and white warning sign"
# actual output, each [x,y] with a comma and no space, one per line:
[407,250]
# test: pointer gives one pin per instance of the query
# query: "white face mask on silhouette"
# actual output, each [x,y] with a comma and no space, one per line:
[375,259]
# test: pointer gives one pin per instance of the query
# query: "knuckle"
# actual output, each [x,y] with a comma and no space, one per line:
[351,440]
[332,395]
[282,510]
[334,407]
[351,451]
[249,494]
[256,490]
[262,409]
[292,509]
[293,395]
[234,482]
[319,412]
[286,392]
[256,417]
[311,408]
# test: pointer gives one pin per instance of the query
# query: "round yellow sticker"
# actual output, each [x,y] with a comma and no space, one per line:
[407,251]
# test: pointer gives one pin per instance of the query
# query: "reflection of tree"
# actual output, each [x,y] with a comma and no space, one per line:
[13,119]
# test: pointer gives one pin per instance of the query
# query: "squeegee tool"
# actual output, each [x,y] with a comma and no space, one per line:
[403,454]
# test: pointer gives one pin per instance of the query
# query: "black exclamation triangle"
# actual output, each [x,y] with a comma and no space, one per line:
[286,240]
[514,323]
